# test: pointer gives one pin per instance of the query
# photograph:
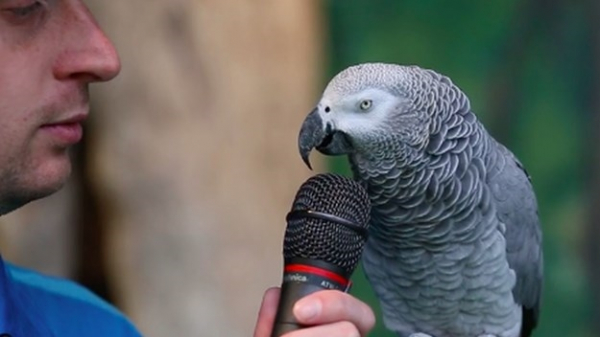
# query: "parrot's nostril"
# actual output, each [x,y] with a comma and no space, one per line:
[327,109]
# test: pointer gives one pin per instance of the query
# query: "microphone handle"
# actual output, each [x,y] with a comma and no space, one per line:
[303,277]
[290,293]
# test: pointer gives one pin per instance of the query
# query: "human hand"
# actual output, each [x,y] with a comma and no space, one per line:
[336,314]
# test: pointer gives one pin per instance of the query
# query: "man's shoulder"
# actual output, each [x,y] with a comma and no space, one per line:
[59,287]
[61,300]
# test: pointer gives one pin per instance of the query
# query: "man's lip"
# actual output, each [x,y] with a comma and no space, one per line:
[66,131]
[77,119]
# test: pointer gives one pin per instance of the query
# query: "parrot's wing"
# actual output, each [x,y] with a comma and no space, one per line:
[517,209]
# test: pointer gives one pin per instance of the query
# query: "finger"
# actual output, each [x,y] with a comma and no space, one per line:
[330,306]
[266,314]
[338,329]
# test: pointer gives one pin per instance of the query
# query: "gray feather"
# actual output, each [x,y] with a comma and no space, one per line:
[517,208]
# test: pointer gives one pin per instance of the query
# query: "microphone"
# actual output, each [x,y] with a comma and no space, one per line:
[324,239]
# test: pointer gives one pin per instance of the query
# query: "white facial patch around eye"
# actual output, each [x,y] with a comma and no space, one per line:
[380,107]
[354,121]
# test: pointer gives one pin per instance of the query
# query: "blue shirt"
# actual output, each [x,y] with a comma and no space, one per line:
[36,305]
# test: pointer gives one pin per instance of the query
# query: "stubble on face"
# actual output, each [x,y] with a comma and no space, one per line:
[34,163]
[50,51]
[35,168]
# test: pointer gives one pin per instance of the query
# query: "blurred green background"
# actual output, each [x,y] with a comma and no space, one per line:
[528,69]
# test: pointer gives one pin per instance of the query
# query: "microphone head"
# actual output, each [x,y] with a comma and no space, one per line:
[329,223]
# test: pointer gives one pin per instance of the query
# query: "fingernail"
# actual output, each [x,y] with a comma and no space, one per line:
[306,311]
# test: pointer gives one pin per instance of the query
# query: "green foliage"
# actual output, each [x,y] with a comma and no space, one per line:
[470,41]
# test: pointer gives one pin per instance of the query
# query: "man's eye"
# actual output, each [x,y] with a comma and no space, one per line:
[24,11]
[19,12]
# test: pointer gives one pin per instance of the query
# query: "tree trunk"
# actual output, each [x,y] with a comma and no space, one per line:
[193,157]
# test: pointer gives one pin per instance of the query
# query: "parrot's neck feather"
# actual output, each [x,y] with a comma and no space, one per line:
[423,187]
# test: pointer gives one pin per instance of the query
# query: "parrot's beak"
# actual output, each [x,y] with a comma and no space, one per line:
[311,135]
[315,133]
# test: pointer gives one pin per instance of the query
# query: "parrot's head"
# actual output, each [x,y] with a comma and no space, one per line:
[373,107]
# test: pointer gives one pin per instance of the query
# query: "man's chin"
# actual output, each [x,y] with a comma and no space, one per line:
[17,195]
[12,202]
[48,187]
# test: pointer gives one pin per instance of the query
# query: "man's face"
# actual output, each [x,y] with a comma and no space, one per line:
[50,50]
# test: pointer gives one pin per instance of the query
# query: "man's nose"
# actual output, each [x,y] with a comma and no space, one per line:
[87,53]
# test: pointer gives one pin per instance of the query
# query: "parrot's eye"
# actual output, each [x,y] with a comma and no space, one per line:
[366,104]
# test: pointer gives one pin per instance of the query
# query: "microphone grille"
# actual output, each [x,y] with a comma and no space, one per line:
[323,239]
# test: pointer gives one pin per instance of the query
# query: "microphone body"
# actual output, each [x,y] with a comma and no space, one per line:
[325,234]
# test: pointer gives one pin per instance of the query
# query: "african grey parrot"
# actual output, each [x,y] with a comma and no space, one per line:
[454,246]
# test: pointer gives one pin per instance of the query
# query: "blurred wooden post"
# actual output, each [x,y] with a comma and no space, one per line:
[194,155]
